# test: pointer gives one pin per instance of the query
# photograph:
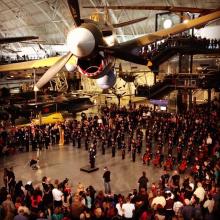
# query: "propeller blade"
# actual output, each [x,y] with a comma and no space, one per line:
[74,9]
[126,23]
[52,71]
[151,7]
[8,40]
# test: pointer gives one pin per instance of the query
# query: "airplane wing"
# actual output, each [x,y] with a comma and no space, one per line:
[153,7]
[34,64]
[164,33]
[7,40]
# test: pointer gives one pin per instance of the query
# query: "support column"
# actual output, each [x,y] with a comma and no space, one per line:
[209,97]
[190,99]
[190,90]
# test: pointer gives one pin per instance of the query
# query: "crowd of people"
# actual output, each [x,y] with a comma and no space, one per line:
[186,143]
[183,41]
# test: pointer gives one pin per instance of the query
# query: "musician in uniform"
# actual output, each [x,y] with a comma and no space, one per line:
[103,145]
[129,143]
[86,142]
[158,158]
[113,147]
[183,165]
[118,139]
[26,140]
[123,148]
[168,165]
[139,144]
[179,153]
[47,139]
[78,136]
[73,136]
[147,157]
[133,152]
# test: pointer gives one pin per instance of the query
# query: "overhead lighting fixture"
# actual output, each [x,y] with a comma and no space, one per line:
[167,23]
[185,21]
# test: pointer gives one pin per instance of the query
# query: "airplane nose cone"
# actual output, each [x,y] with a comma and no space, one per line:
[80,42]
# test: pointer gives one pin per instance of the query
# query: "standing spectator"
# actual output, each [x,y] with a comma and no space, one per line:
[119,206]
[57,195]
[200,192]
[209,205]
[11,180]
[8,208]
[106,177]
[187,210]
[128,208]
[143,180]
[5,177]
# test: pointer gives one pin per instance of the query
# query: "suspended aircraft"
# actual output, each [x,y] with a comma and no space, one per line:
[201,11]
[7,40]
[95,57]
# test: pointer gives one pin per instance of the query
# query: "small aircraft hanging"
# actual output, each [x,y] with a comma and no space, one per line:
[94,57]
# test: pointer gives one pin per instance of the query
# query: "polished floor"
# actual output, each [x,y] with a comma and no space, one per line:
[66,161]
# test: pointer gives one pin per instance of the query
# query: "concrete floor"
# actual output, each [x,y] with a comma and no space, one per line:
[66,161]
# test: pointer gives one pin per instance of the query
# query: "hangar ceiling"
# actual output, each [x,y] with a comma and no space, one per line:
[51,20]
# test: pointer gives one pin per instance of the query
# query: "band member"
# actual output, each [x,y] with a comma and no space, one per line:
[113,147]
[179,153]
[133,152]
[47,139]
[183,165]
[26,140]
[118,139]
[139,144]
[79,139]
[147,157]
[129,143]
[109,139]
[168,165]
[123,148]
[157,161]
[73,136]
[201,154]
[86,142]
[195,168]
[103,145]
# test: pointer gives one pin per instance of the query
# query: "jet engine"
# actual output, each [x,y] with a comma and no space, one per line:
[95,67]
[107,81]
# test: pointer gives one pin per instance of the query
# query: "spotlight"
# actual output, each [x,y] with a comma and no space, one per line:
[185,21]
[167,23]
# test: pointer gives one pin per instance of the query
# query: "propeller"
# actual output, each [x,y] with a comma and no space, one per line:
[52,71]
[75,12]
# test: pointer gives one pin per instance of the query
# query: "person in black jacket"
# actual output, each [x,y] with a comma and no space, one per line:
[107,179]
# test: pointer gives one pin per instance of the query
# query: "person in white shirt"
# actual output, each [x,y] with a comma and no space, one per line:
[57,195]
[209,204]
[128,208]
[158,200]
[200,192]
[119,206]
